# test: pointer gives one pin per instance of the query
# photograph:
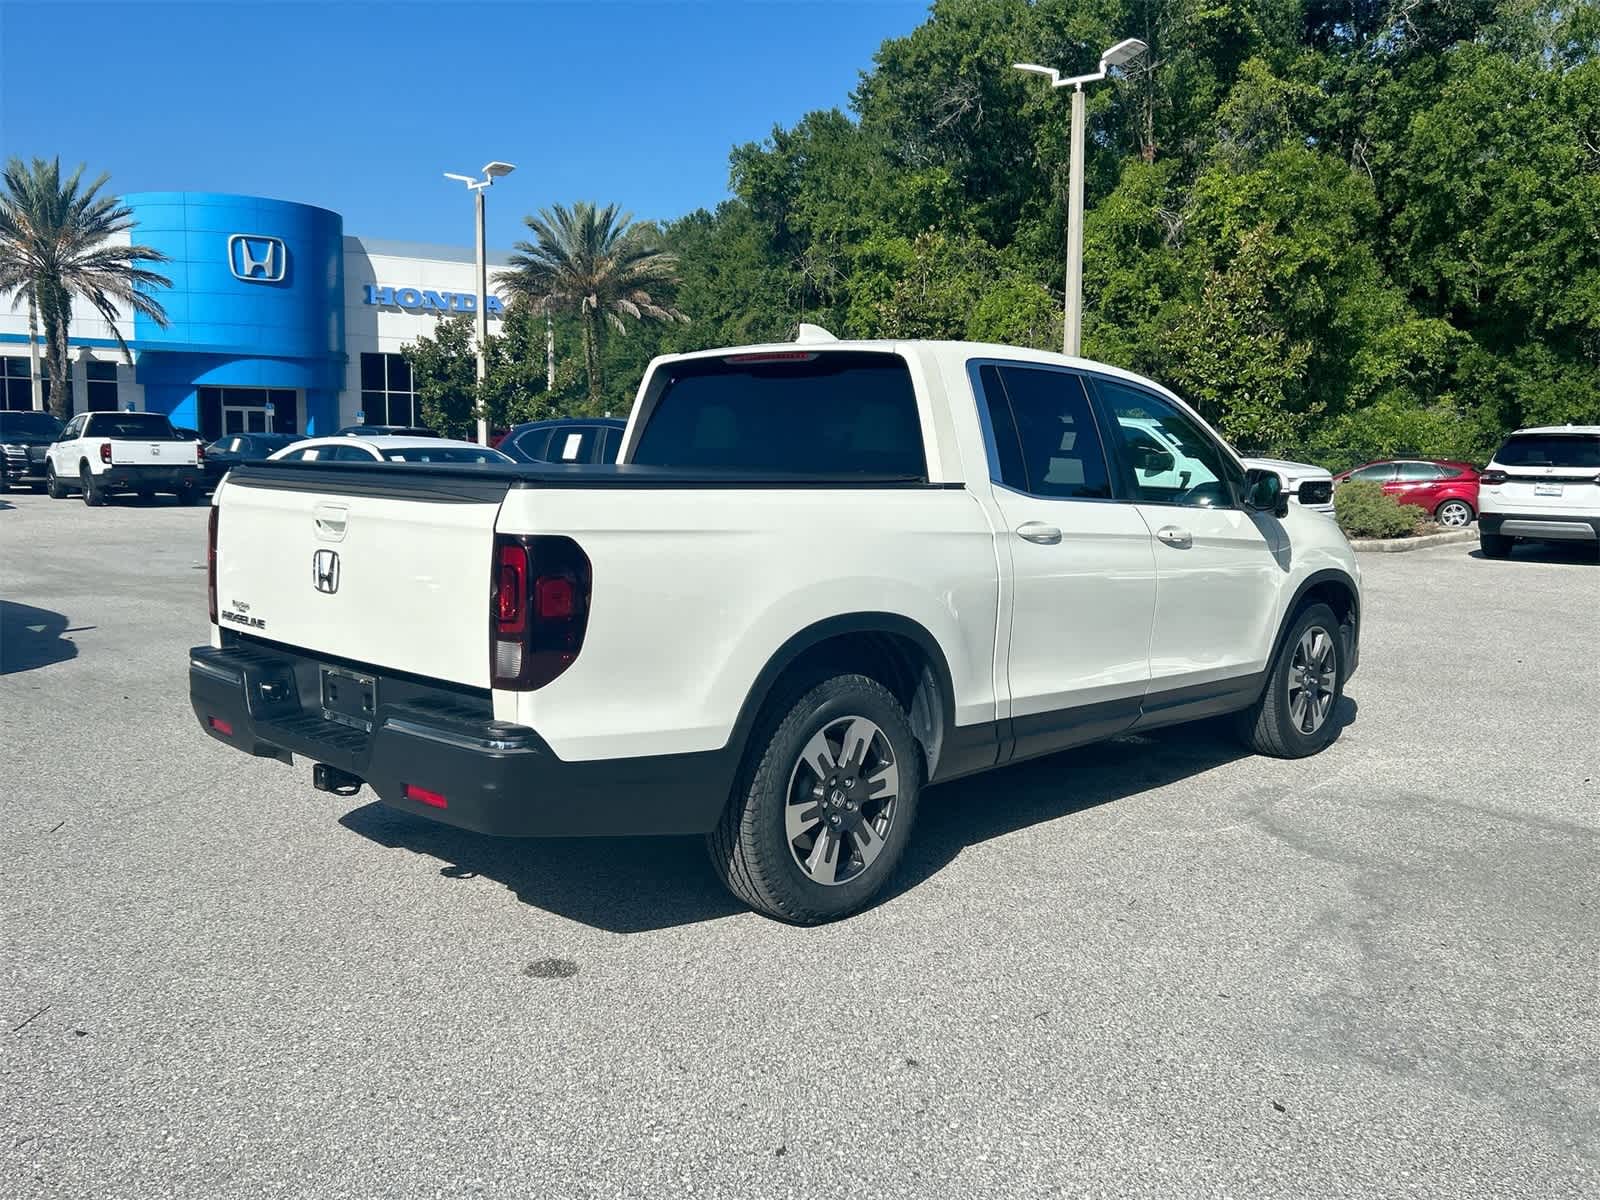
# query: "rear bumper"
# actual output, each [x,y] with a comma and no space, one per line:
[136,475]
[1548,526]
[496,778]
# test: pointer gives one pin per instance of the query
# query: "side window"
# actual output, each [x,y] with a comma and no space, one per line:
[571,444]
[304,455]
[1381,473]
[1167,458]
[74,429]
[1045,439]
[611,447]
[1418,472]
[533,443]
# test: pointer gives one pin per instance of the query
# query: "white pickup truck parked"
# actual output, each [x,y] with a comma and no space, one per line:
[821,576]
[101,453]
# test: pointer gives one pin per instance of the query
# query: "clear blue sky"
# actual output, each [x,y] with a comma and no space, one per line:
[359,107]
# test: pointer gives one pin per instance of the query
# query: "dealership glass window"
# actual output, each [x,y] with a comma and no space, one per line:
[16,385]
[388,394]
[100,386]
[225,411]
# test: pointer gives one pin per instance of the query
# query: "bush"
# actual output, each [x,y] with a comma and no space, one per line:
[1365,510]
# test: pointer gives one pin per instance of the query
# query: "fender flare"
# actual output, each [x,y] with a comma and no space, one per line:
[814,635]
[1328,575]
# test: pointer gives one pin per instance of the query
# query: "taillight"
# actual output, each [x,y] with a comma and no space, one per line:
[199,453]
[211,562]
[105,452]
[221,726]
[1493,477]
[538,609]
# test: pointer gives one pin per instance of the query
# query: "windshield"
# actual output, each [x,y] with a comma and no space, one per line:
[1551,450]
[147,426]
[446,454]
[35,423]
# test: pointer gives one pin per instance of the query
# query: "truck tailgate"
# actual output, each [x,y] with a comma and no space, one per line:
[338,560]
[130,453]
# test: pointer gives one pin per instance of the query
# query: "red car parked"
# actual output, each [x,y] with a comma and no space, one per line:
[1448,490]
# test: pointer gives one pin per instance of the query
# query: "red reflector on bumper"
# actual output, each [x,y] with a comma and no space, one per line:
[424,796]
[220,726]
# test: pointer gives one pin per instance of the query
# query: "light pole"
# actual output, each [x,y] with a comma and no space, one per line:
[1122,53]
[491,172]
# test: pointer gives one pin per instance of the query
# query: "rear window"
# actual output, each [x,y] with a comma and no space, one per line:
[445,454]
[1550,450]
[36,424]
[150,427]
[844,413]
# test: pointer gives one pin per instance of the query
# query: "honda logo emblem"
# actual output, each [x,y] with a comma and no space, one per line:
[257,258]
[325,571]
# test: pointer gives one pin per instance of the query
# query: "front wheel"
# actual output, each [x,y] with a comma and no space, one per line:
[1453,514]
[53,485]
[1295,716]
[825,804]
[1494,545]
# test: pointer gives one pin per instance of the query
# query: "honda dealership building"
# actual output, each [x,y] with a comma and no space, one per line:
[276,320]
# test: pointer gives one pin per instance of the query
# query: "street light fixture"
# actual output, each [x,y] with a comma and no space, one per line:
[1119,55]
[491,172]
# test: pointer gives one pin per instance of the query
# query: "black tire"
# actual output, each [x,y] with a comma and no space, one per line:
[190,493]
[1493,545]
[751,846]
[52,485]
[1269,726]
[92,495]
[5,483]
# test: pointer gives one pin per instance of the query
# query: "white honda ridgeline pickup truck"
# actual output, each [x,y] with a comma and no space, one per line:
[821,576]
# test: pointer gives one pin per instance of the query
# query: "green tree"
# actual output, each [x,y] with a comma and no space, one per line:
[595,262]
[56,245]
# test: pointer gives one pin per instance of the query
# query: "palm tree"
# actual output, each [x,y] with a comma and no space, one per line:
[55,246]
[594,261]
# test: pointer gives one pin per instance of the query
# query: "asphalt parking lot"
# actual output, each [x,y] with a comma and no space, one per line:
[1151,968]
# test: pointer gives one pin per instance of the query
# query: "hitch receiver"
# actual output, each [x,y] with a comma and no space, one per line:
[331,779]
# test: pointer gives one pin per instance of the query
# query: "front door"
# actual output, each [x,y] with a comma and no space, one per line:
[1082,564]
[239,418]
[1217,569]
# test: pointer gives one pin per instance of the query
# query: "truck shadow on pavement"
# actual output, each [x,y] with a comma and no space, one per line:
[630,885]
[31,637]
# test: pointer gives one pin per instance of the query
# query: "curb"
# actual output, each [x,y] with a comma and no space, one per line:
[1400,545]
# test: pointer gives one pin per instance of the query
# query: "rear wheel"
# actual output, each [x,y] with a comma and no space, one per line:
[1295,716]
[92,495]
[1494,545]
[190,492]
[1453,514]
[825,803]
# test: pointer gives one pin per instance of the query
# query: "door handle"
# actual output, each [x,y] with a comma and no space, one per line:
[1040,533]
[1180,539]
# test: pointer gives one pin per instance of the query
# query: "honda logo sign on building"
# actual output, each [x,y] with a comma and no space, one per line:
[257,258]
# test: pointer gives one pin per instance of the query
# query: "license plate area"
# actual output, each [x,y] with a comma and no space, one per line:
[1547,489]
[349,698]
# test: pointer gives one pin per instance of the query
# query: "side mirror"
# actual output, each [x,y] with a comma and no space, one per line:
[1263,492]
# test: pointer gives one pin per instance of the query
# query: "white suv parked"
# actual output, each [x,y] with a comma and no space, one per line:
[1543,485]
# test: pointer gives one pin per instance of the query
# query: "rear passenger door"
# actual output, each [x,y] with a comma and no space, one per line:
[1217,573]
[1082,564]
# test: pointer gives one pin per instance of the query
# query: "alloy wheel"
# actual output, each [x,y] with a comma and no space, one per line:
[841,800]
[1453,514]
[1313,673]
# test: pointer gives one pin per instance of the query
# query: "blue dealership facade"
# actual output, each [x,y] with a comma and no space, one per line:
[276,319]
